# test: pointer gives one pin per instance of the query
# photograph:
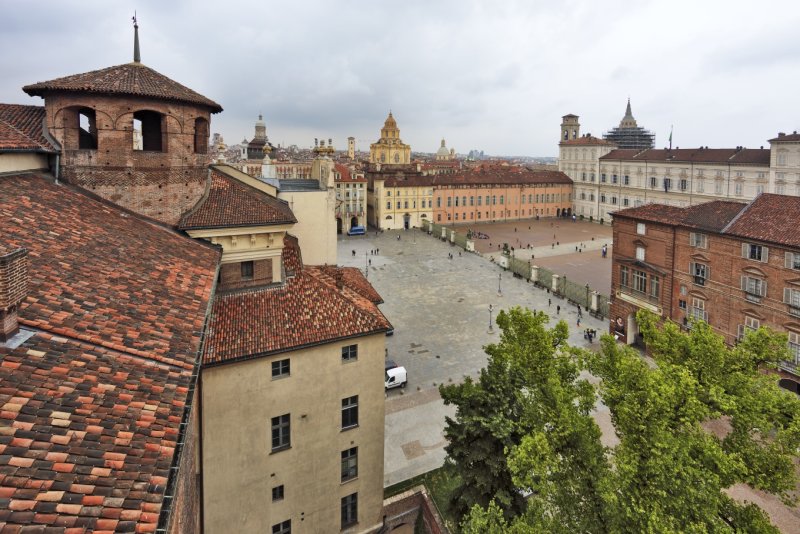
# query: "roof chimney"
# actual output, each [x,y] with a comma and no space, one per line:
[781,134]
[13,289]
[339,277]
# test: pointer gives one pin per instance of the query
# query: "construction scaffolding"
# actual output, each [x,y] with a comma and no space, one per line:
[631,137]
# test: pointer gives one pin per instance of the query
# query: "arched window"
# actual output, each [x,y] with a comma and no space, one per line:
[200,136]
[87,129]
[397,157]
[148,131]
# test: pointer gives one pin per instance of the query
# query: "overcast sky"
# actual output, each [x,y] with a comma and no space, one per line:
[490,75]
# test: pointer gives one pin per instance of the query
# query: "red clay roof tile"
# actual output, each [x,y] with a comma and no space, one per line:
[770,218]
[233,203]
[22,129]
[309,309]
[587,140]
[129,79]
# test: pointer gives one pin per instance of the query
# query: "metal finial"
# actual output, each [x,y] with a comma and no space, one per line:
[137,58]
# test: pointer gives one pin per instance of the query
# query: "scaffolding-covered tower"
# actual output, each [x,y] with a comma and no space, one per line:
[629,134]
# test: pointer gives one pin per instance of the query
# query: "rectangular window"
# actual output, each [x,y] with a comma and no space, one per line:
[684,184]
[641,229]
[700,184]
[280,432]
[479,200]
[737,188]
[699,272]
[471,201]
[640,253]
[487,200]
[405,204]
[613,178]
[280,368]
[625,202]
[755,252]
[463,201]
[792,298]
[602,178]
[350,353]
[682,304]
[456,200]
[653,182]
[349,510]
[438,202]
[626,180]
[640,281]
[283,528]
[698,310]
[655,285]
[794,347]
[501,199]
[698,240]
[755,287]
[398,204]
[718,187]
[667,184]
[350,412]
[349,464]
[277,493]
[247,270]
[792,260]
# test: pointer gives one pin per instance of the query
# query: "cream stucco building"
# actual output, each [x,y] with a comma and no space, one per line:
[390,149]
[607,178]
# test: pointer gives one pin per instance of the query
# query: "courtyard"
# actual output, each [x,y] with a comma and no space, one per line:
[439,307]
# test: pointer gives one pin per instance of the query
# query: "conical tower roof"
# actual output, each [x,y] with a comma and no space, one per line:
[132,79]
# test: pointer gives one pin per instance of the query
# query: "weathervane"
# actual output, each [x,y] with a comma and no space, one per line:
[136,56]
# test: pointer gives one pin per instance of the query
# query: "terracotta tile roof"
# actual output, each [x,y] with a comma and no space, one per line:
[794,136]
[621,153]
[230,203]
[22,128]
[587,140]
[90,406]
[352,278]
[710,216]
[129,79]
[88,436]
[769,218]
[307,310]
[745,156]
[484,174]
[104,276]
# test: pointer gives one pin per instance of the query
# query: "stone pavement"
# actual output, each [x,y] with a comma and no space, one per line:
[440,311]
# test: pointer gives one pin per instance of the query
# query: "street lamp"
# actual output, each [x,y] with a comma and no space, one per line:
[499,279]
[366,265]
[491,328]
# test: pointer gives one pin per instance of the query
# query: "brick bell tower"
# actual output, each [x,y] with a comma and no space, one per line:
[131,135]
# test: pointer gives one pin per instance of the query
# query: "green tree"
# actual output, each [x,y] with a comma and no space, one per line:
[670,468]
[524,428]
[696,419]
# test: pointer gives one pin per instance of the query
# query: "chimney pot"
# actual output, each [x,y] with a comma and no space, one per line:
[13,289]
[781,134]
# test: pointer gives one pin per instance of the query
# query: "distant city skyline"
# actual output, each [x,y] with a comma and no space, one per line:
[483,76]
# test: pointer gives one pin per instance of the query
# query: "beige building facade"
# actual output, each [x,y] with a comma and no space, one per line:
[608,179]
[303,471]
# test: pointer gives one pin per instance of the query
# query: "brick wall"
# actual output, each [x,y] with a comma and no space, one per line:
[231,275]
[185,513]
[405,508]
[159,184]
[13,289]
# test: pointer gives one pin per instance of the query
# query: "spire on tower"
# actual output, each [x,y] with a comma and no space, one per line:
[136,56]
[628,109]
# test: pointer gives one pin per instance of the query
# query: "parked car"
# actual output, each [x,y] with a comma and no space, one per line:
[395,377]
[357,230]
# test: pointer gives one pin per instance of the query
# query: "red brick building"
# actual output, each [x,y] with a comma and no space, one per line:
[734,265]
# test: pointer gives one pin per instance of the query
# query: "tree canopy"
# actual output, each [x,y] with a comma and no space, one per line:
[693,421]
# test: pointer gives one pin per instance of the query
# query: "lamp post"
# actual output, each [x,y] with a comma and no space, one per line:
[366,265]
[491,328]
[499,279]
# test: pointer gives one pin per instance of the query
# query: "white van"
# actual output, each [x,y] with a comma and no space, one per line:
[396,377]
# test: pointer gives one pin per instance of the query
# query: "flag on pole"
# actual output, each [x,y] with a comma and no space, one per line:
[670,137]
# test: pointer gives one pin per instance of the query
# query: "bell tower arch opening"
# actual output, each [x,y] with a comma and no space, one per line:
[151,127]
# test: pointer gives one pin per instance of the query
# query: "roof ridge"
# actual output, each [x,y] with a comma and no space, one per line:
[738,215]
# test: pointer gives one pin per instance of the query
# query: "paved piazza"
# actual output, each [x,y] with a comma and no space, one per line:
[440,311]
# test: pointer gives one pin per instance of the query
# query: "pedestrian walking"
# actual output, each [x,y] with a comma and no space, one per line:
[354,253]
[558,309]
[370,263]
[579,321]
[549,303]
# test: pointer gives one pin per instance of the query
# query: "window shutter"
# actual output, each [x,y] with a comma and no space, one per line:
[744,250]
[692,271]
[765,254]
[741,331]
[744,283]
[788,259]
[787,295]
[764,288]
[692,238]
[708,272]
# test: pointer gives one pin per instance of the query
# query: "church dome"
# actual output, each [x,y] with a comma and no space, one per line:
[390,122]
[443,152]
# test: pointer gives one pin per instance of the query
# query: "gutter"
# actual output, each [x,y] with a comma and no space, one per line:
[165,515]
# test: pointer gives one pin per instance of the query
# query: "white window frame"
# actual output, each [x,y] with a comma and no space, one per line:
[640,253]
[641,228]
